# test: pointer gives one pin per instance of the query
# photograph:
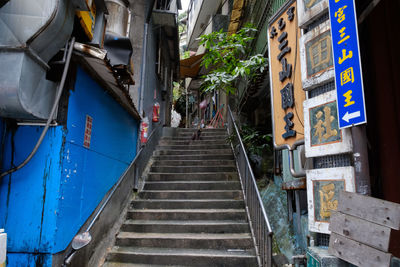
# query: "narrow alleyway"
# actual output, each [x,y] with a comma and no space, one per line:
[191,211]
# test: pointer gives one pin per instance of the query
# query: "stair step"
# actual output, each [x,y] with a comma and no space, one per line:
[213,162]
[184,130]
[187,204]
[187,214]
[185,240]
[193,185]
[191,169]
[182,257]
[203,133]
[204,176]
[202,137]
[194,142]
[210,152]
[191,211]
[228,156]
[194,194]
[179,226]
[125,264]
[193,147]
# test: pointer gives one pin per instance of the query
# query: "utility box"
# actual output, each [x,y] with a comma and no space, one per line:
[3,248]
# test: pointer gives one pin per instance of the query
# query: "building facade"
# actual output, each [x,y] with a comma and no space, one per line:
[111,84]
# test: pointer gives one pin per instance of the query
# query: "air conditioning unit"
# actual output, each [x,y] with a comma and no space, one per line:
[31,33]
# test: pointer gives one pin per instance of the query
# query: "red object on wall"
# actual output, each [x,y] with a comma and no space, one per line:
[144,129]
[88,131]
[156,112]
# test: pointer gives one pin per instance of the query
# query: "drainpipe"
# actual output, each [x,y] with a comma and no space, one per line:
[144,56]
[187,108]
[143,71]
[360,156]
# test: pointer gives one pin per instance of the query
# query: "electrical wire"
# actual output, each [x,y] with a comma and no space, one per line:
[53,110]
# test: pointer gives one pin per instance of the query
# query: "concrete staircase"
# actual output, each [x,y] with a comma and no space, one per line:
[191,211]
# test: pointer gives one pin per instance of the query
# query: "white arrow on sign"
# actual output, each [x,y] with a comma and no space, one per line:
[348,116]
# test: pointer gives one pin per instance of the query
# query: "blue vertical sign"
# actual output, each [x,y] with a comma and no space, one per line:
[346,54]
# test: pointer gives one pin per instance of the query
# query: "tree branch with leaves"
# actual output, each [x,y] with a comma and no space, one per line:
[228,58]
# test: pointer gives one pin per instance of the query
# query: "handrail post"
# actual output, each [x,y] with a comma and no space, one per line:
[259,224]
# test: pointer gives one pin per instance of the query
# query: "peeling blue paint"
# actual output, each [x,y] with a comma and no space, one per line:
[28,259]
[53,195]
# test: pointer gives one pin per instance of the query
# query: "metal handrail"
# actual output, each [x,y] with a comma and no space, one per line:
[259,224]
[132,170]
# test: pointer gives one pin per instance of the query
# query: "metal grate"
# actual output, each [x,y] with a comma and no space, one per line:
[323,240]
[330,86]
[332,161]
[277,4]
[317,22]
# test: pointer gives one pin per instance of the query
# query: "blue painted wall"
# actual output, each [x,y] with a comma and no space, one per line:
[44,204]
[28,197]
[89,173]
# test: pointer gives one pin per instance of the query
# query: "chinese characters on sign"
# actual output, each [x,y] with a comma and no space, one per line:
[319,54]
[348,75]
[323,123]
[328,198]
[287,92]
[322,134]
[323,190]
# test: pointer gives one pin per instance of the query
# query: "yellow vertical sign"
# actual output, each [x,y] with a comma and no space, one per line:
[287,94]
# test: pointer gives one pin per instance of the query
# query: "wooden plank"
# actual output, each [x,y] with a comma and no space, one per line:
[368,233]
[357,253]
[293,112]
[371,209]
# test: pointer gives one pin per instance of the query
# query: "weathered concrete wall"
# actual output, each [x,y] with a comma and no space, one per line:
[138,9]
[275,203]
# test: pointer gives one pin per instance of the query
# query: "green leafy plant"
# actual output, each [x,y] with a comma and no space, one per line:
[256,142]
[227,58]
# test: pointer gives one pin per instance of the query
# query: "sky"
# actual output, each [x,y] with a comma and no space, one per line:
[185,4]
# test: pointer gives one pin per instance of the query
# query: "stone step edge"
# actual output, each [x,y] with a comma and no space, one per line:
[189,173]
[183,236]
[194,200]
[191,182]
[190,191]
[185,252]
[185,223]
[186,210]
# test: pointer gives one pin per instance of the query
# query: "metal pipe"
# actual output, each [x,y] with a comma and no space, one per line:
[150,11]
[70,255]
[293,172]
[251,171]
[118,183]
[360,156]
[53,110]
[187,108]
[111,194]
[298,215]
[144,60]
[258,220]
[143,70]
